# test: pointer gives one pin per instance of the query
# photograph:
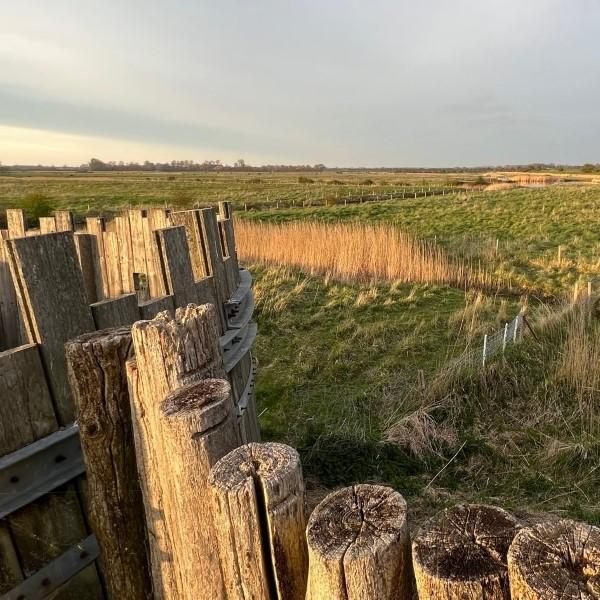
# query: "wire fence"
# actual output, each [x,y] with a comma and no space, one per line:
[493,343]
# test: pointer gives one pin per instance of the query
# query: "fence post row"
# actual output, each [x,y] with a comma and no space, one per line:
[98,269]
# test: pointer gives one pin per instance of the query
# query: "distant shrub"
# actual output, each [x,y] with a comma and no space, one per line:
[589,168]
[303,179]
[36,205]
[330,200]
[255,180]
[171,178]
[181,198]
[367,182]
[335,182]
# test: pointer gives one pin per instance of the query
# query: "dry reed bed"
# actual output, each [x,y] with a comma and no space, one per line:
[355,252]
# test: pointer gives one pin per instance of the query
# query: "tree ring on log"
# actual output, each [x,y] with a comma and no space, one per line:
[463,550]
[552,560]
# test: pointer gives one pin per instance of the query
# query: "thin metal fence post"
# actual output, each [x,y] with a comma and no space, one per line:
[485,341]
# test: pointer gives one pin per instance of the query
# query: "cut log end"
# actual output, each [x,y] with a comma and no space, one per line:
[196,397]
[356,519]
[103,336]
[555,560]
[267,462]
[463,550]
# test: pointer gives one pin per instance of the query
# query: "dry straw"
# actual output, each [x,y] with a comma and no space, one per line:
[355,252]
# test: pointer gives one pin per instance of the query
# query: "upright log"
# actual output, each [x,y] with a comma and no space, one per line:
[172,352]
[97,375]
[556,560]
[64,220]
[259,517]
[359,546]
[17,225]
[461,553]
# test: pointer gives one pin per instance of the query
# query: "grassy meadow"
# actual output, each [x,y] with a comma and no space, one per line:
[362,309]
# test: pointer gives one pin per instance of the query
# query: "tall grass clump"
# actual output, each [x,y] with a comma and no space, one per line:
[355,252]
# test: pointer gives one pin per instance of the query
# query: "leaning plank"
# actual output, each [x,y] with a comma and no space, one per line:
[176,266]
[170,353]
[17,225]
[190,219]
[96,364]
[116,312]
[89,261]
[461,553]
[55,307]
[558,560]
[10,318]
[359,546]
[64,220]
[258,495]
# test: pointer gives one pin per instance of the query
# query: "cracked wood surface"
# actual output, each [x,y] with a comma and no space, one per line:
[359,546]
[96,366]
[176,448]
[258,493]
[461,554]
[555,561]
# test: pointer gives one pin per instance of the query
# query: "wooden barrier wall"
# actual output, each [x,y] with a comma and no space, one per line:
[55,284]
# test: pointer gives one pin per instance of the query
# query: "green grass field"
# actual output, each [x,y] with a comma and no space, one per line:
[352,374]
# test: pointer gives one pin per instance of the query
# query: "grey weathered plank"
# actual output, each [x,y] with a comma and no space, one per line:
[176,265]
[190,219]
[149,309]
[86,245]
[10,319]
[51,291]
[116,312]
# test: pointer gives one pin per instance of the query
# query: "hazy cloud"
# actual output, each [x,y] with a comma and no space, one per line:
[346,83]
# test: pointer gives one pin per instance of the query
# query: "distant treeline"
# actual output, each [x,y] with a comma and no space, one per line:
[240,165]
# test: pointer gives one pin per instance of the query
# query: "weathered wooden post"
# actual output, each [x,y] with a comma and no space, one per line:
[461,553]
[258,494]
[182,426]
[96,365]
[359,546]
[555,560]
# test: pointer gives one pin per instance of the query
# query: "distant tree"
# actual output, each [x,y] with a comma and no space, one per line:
[589,168]
[97,165]
[240,163]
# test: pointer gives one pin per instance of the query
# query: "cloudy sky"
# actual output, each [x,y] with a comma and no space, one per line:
[353,83]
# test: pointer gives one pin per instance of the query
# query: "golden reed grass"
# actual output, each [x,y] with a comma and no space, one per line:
[355,252]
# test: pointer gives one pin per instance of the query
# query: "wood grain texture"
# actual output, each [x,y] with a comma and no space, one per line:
[89,261]
[258,493]
[171,352]
[47,225]
[55,308]
[176,266]
[116,312]
[190,220]
[150,308]
[359,546]
[96,226]
[16,223]
[461,554]
[10,317]
[64,220]
[558,560]
[97,374]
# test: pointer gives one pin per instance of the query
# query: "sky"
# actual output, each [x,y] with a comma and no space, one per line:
[345,83]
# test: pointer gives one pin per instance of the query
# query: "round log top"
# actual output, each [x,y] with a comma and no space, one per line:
[195,397]
[356,520]
[270,462]
[465,543]
[554,560]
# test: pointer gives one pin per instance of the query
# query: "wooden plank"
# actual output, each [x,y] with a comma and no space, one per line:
[116,312]
[190,219]
[55,307]
[112,260]
[149,309]
[151,223]
[47,225]
[37,533]
[138,248]
[87,252]
[176,265]
[205,289]
[96,226]
[123,232]
[64,220]
[16,223]
[10,318]
[214,257]
[228,233]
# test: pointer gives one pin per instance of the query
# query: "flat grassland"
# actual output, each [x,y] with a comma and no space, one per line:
[354,370]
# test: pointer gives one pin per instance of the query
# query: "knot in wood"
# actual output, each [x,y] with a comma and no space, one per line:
[196,396]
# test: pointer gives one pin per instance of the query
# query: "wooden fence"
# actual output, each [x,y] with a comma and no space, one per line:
[56,284]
